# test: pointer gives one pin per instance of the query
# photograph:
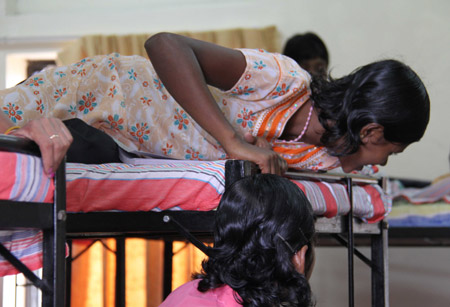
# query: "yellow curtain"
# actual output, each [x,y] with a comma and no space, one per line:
[133,44]
[93,273]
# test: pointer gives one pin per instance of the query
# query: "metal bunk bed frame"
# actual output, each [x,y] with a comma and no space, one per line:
[58,225]
[121,225]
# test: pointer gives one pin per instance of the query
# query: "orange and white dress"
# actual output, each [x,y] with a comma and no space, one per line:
[124,97]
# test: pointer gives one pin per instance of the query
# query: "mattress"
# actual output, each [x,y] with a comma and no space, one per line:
[194,185]
[161,185]
[23,179]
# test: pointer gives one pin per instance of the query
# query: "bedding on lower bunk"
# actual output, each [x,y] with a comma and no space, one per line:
[162,185]
[421,207]
[405,214]
[194,185]
[23,179]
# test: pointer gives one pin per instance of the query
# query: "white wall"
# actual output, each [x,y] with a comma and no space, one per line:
[356,32]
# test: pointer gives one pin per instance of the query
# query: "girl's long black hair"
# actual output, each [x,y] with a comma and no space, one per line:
[386,92]
[260,221]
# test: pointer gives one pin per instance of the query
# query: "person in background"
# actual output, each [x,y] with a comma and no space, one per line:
[310,52]
[263,253]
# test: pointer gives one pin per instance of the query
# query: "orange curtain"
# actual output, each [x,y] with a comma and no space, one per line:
[133,44]
[93,273]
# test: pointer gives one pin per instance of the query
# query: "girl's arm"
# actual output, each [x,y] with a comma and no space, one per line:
[185,67]
[50,134]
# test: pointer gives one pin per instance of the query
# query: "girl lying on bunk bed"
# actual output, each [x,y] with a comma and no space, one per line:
[271,264]
[259,106]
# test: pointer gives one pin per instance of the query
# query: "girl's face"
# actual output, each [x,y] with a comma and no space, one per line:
[371,153]
[374,149]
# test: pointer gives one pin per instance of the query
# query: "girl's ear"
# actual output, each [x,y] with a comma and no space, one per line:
[299,259]
[373,133]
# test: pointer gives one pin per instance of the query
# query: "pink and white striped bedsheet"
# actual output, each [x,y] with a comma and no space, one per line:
[23,179]
[174,185]
[370,203]
[194,185]
[164,185]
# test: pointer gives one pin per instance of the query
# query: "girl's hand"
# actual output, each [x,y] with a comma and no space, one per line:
[259,151]
[257,141]
[52,137]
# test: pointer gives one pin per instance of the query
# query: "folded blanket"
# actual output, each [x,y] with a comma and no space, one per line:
[437,191]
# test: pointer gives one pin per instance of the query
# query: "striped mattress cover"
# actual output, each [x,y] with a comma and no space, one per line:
[163,185]
[23,179]
[421,207]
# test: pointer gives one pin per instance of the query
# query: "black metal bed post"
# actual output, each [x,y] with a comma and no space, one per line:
[238,169]
[47,267]
[59,225]
[379,249]
[69,275]
[54,267]
[351,246]
[120,272]
[168,269]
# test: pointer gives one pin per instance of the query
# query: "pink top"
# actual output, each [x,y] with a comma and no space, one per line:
[188,295]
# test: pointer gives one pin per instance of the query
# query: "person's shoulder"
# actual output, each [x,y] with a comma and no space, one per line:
[286,65]
[188,287]
[226,296]
[256,54]
[261,63]
[185,295]
[291,67]
[188,295]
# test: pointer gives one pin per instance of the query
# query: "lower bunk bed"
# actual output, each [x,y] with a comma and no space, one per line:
[420,213]
[419,242]
[119,201]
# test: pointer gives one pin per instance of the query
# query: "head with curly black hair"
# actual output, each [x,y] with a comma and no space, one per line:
[377,110]
[262,243]
[309,51]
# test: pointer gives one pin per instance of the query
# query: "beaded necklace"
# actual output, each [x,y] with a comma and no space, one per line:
[304,128]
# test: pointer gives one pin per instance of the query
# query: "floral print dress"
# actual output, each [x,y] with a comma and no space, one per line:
[124,97]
